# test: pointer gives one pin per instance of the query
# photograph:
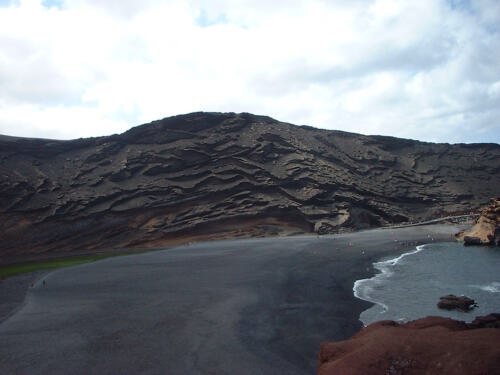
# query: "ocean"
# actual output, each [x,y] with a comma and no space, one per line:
[408,287]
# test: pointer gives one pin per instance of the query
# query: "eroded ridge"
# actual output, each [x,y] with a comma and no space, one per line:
[217,175]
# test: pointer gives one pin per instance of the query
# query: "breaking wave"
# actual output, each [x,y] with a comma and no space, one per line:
[363,289]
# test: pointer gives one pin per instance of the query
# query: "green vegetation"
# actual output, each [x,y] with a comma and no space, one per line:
[17,269]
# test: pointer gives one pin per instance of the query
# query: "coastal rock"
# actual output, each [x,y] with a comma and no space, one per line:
[452,302]
[487,229]
[430,346]
[488,321]
[470,241]
[205,176]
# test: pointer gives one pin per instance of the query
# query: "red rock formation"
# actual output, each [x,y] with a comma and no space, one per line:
[430,346]
[487,229]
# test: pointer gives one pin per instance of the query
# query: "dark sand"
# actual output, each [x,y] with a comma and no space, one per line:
[257,306]
[13,292]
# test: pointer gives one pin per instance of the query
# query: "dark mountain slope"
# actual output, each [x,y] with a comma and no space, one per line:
[213,175]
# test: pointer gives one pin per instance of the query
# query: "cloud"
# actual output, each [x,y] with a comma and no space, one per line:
[426,70]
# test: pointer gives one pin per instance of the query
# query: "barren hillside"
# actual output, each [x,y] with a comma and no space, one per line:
[216,175]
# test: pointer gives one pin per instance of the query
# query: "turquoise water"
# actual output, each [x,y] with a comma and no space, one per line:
[409,286]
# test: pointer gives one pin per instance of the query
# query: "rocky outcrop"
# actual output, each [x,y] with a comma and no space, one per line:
[487,229]
[430,346]
[452,302]
[216,175]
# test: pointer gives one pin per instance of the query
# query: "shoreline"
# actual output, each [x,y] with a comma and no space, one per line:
[407,287]
[429,233]
[281,298]
[13,292]
[381,273]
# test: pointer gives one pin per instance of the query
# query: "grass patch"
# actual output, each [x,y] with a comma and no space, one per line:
[17,269]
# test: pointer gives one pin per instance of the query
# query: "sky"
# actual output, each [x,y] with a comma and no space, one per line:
[426,69]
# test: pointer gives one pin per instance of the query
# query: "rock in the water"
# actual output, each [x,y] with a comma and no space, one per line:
[430,346]
[487,229]
[470,241]
[452,302]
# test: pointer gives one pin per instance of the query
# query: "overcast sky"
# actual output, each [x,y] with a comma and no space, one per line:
[421,69]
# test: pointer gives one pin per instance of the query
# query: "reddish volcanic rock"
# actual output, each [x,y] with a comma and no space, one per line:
[488,321]
[430,346]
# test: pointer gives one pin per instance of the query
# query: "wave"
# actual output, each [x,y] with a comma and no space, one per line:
[494,287]
[363,288]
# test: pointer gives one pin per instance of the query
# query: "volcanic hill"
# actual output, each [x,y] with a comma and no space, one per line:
[217,175]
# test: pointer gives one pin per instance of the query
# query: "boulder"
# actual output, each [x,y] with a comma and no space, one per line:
[469,241]
[430,346]
[452,302]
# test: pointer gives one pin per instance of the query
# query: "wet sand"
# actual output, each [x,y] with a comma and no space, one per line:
[254,306]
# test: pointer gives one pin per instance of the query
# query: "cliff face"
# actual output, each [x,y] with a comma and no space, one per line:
[430,346]
[487,229]
[213,175]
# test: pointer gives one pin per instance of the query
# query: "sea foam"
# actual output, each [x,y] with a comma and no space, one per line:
[494,287]
[408,287]
[363,288]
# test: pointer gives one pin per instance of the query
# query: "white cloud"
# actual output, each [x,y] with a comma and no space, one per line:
[427,70]
[57,122]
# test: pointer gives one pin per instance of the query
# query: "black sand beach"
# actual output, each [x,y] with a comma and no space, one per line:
[256,306]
